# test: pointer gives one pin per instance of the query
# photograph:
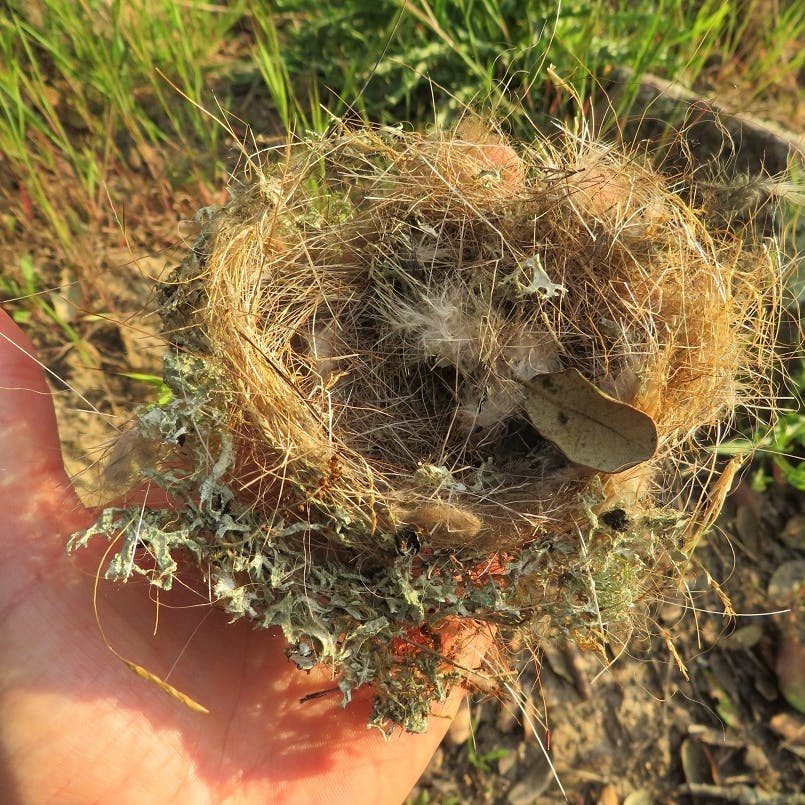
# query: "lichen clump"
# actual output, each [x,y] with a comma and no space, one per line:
[358,338]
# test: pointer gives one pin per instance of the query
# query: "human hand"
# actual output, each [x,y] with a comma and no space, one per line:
[76,725]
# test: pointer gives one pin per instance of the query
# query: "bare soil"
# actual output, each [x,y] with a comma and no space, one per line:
[641,732]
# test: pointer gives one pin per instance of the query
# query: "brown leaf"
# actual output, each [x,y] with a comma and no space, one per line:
[589,427]
[790,668]
[697,764]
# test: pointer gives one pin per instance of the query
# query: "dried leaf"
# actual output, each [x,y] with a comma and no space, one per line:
[697,765]
[744,638]
[790,668]
[589,427]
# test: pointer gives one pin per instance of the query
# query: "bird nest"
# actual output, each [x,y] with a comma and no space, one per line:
[426,386]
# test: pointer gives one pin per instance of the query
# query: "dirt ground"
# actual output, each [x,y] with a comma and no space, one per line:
[641,731]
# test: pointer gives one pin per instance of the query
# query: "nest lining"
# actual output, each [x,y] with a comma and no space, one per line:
[357,334]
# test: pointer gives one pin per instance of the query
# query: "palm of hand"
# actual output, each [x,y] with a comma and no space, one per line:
[76,725]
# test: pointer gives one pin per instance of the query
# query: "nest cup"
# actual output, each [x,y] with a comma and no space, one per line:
[430,385]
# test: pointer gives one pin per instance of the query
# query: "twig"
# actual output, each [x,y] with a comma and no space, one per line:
[741,794]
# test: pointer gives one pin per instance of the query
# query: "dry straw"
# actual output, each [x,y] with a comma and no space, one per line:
[426,386]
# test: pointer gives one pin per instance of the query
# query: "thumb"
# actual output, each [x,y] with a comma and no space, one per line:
[36,497]
[29,439]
